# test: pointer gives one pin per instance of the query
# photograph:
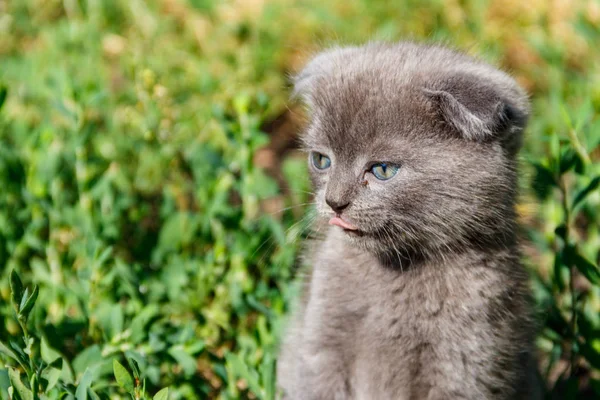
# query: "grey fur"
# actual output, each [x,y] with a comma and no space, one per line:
[429,300]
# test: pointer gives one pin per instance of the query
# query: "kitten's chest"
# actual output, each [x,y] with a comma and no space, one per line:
[364,305]
[377,321]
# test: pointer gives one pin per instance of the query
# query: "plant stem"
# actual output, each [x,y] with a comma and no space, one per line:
[579,148]
[26,338]
[567,240]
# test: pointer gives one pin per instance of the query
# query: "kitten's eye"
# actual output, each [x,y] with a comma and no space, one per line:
[320,161]
[383,171]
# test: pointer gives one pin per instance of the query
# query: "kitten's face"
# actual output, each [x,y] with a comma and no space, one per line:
[395,179]
[412,148]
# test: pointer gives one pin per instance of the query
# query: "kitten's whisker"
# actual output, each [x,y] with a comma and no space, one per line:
[389,234]
[300,191]
[307,219]
[292,207]
[272,242]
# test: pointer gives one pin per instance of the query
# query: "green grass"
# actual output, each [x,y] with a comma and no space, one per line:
[133,196]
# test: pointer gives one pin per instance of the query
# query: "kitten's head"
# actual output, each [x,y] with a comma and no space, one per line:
[411,147]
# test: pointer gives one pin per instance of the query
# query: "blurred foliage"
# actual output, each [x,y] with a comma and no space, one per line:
[130,194]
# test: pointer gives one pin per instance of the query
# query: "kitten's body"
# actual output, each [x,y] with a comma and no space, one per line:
[427,299]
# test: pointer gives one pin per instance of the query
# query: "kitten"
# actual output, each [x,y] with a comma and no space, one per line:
[416,290]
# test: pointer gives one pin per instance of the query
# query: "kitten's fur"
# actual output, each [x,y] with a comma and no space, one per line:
[429,300]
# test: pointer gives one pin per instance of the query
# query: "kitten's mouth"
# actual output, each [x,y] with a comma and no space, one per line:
[342,223]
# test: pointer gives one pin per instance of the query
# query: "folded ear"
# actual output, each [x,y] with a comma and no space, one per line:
[325,64]
[306,81]
[481,113]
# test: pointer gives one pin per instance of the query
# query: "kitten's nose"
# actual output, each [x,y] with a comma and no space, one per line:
[337,206]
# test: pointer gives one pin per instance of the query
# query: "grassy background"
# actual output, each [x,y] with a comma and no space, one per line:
[150,187]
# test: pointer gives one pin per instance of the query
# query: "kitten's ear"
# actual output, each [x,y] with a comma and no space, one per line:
[306,81]
[304,86]
[325,64]
[481,115]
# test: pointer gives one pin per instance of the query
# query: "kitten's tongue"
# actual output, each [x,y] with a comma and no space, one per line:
[338,221]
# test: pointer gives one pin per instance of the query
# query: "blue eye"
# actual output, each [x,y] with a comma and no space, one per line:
[320,161]
[383,171]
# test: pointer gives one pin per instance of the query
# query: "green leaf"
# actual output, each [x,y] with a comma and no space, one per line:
[187,362]
[49,355]
[20,355]
[3,94]
[66,374]
[584,326]
[140,321]
[591,355]
[561,231]
[162,394]
[568,160]
[554,148]
[240,369]
[23,300]
[52,375]
[582,194]
[116,320]
[555,321]
[33,384]
[177,231]
[29,303]
[110,318]
[15,380]
[565,116]
[571,256]
[558,272]
[543,181]
[9,353]
[93,395]
[268,374]
[84,384]
[89,357]
[588,269]
[16,288]
[195,347]
[122,376]
[135,368]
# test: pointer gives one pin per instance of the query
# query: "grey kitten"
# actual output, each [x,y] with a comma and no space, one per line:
[416,290]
